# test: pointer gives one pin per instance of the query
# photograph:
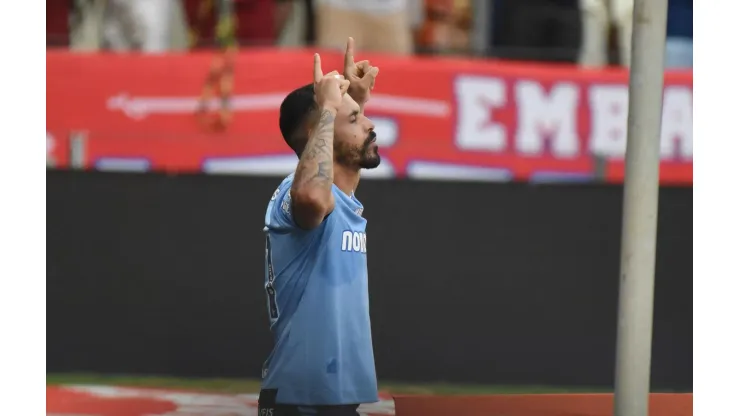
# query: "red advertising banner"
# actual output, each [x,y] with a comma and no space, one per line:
[594,404]
[70,400]
[435,118]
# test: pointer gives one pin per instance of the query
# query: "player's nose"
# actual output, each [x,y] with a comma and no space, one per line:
[370,126]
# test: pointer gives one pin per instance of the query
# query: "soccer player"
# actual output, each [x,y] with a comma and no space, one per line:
[316,267]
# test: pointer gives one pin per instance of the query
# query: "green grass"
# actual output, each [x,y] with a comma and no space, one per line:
[229,385]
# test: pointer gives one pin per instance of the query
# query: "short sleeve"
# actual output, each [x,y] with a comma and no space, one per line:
[279,211]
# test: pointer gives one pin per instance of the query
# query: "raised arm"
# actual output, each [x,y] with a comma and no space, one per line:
[311,195]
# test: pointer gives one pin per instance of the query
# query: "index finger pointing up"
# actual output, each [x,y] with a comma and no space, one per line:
[317,72]
[349,54]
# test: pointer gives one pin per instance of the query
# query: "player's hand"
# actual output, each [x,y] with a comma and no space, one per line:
[328,89]
[361,75]
[343,84]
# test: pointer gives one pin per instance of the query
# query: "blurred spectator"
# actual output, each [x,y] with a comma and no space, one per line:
[58,17]
[119,25]
[679,51]
[86,24]
[446,26]
[225,24]
[299,27]
[156,17]
[376,25]
[537,30]
[221,74]
[123,26]
[600,19]
[255,22]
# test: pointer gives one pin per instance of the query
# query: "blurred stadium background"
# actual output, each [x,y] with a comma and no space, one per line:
[494,218]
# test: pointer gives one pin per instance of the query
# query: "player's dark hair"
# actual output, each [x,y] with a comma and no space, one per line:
[295,111]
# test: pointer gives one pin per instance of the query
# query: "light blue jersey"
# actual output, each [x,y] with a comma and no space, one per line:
[317,300]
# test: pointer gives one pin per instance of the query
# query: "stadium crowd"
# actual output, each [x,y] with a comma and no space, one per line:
[587,32]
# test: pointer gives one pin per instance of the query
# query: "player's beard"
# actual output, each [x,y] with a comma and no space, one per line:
[365,156]
[370,158]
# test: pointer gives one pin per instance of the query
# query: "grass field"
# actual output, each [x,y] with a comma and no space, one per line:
[229,385]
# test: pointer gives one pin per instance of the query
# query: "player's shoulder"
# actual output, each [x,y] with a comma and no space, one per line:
[287,182]
[283,188]
[279,215]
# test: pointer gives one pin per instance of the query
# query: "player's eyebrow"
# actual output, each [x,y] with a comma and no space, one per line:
[354,113]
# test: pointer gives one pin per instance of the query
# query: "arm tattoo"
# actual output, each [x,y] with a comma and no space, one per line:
[316,166]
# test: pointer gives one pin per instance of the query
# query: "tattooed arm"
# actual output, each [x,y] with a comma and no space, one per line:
[311,191]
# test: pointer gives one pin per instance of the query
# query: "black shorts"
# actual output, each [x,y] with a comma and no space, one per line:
[268,407]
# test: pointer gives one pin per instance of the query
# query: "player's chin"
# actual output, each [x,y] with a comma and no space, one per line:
[371,160]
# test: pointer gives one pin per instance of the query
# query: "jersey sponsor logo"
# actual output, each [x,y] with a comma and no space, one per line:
[353,241]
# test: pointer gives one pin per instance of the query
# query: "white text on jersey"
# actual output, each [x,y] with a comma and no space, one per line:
[354,241]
